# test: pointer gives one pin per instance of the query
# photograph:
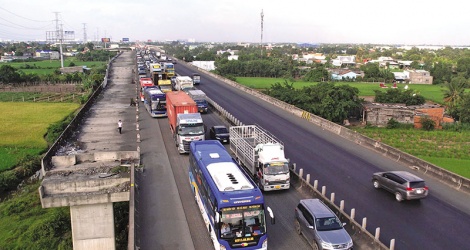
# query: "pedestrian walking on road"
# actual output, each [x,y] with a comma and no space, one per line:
[120,126]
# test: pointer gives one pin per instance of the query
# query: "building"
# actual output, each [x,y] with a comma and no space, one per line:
[344,74]
[48,54]
[378,114]
[341,61]
[419,76]
[206,65]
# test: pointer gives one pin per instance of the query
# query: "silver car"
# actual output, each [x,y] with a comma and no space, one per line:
[404,185]
[320,226]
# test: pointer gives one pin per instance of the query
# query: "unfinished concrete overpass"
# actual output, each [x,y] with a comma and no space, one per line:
[87,168]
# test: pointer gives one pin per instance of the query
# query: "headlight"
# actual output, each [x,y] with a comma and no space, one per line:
[265,244]
[326,245]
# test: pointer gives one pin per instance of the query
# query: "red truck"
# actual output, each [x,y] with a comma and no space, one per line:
[185,121]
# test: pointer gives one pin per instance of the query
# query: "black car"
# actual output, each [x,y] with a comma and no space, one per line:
[219,132]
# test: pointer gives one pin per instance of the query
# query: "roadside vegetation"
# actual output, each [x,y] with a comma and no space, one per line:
[434,93]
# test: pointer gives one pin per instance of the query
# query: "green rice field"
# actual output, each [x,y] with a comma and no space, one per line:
[48,66]
[24,126]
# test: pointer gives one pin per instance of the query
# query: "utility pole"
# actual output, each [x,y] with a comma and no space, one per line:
[60,44]
[262,17]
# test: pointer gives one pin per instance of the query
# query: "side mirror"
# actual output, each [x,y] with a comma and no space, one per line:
[271,214]
[217,220]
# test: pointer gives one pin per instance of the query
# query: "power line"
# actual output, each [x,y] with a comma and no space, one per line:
[24,27]
[22,17]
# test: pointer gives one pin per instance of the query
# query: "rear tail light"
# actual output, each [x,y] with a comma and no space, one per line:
[409,189]
[426,188]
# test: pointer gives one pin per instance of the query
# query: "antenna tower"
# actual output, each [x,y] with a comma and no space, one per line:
[262,17]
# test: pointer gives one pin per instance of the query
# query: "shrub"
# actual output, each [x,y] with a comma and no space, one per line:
[428,123]
[392,123]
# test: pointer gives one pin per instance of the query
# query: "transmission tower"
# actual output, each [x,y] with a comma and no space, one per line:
[84,33]
[262,17]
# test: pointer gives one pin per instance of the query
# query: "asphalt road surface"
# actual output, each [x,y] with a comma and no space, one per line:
[440,221]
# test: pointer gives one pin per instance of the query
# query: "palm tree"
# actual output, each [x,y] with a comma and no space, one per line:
[455,90]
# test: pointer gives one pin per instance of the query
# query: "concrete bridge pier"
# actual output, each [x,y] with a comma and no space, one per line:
[93,226]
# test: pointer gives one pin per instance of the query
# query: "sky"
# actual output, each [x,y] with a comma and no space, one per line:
[407,22]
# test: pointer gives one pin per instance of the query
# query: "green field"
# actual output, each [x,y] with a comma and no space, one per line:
[23,128]
[430,92]
[48,66]
[447,149]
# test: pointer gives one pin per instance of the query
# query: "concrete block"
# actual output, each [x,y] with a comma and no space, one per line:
[64,161]
[85,158]
[106,156]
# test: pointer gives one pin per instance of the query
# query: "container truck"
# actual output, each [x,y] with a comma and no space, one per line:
[262,155]
[184,83]
[185,121]
[200,98]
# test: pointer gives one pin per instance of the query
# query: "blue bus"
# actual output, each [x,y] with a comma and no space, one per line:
[155,101]
[231,204]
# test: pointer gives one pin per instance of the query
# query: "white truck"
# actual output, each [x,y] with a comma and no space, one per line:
[262,155]
[183,83]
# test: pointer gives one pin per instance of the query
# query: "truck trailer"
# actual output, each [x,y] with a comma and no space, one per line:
[185,121]
[184,83]
[262,155]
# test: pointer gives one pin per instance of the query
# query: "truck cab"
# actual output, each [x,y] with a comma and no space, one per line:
[196,78]
[189,127]
[200,98]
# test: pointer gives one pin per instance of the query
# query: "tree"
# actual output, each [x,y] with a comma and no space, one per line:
[462,111]
[453,93]
[407,97]
[9,74]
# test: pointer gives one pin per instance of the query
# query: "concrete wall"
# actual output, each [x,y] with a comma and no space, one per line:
[70,160]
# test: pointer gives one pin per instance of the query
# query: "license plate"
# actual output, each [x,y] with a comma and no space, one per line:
[225,140]
[277,187]
[419,191]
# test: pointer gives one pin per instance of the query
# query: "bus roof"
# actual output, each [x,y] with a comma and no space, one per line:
[230,184]
[154,91]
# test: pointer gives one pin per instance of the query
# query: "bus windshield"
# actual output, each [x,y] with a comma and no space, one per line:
[242,222]
[274,168]
[191,129]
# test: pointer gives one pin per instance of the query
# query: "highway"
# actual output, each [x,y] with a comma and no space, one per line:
[165,184]
[440,221]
